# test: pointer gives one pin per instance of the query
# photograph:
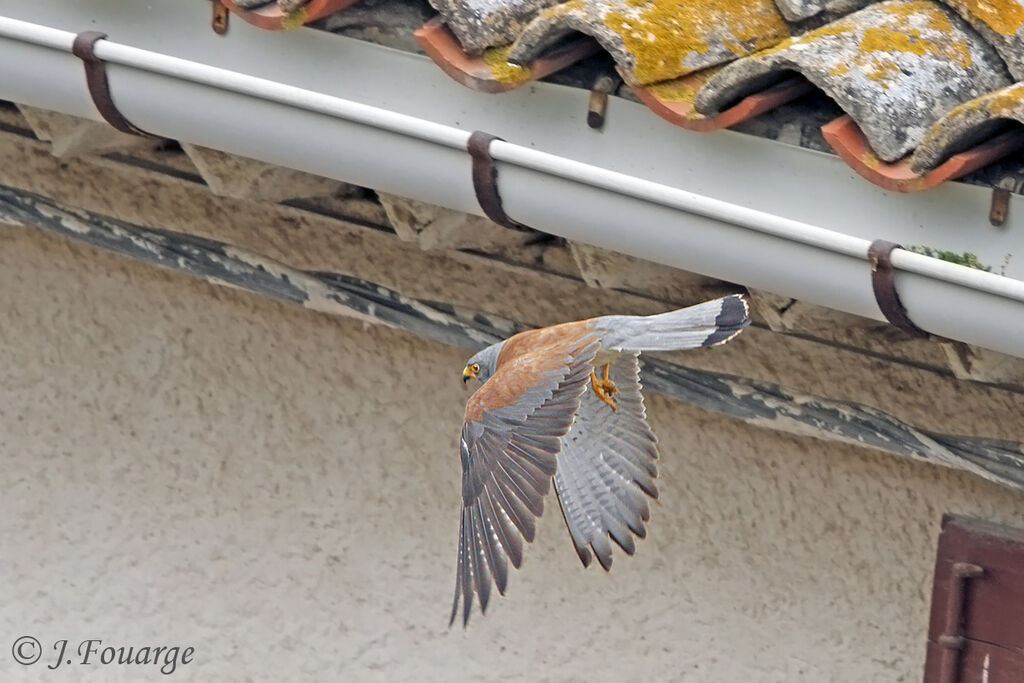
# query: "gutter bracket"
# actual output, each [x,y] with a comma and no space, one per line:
[99,85]
[485,180]
[1000,207]
[597,105]
[219,21]
[884,285]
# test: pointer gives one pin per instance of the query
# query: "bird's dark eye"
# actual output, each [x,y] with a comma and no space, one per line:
[476,367]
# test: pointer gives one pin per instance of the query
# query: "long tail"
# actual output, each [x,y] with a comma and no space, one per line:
[707,324]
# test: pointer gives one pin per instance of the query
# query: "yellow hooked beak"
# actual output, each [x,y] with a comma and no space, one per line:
[467,374]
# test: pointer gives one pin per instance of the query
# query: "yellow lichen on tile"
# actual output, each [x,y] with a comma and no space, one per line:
[935,17]
[879,39]
[840,69]
[573,6]
[676,90]
[881,71]
[295,19]
[908,39]
[836,29]
[870,160]
[661,33]
[1005,102]
[496,59]
[683,89]
[1002,16]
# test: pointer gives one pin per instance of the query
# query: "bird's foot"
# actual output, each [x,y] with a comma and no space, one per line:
[604,388]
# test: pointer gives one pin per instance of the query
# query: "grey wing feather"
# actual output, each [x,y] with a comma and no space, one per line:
[607,467]
[508,459]
[706,324]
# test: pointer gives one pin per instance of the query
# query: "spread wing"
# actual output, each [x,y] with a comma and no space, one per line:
[509,442]
[606,466]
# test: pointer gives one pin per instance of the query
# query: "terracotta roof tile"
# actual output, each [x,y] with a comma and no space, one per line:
[480,24]
[657,40]
[928,83]
[491,71]
[1001,23]
[896,67]
[969,124]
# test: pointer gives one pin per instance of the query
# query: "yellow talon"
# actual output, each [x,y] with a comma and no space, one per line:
[604,388]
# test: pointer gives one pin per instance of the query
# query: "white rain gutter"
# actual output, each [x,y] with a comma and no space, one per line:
[411,156]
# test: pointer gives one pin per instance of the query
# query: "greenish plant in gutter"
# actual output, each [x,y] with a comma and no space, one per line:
[966,258]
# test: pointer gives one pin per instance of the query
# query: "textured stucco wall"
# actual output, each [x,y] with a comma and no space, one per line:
[182,464]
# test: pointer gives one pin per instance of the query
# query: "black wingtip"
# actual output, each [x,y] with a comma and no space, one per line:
[731,319]
[626,542]
[455,606]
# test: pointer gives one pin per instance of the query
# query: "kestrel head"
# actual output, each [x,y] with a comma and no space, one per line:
[482,365]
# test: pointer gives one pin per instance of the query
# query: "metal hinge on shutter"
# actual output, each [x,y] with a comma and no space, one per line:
[952,641]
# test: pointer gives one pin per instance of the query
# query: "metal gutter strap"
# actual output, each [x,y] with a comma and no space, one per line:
[884,285]
[485,180]
[99,85]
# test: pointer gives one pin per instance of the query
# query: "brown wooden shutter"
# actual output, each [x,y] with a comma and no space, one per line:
[976,632]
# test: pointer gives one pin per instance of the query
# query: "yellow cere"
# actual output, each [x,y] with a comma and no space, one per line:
[496,59]
[660,33]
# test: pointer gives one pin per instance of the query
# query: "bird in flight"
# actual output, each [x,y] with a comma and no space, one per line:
[564,403]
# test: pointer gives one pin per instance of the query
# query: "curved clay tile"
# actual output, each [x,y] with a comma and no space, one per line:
[657,40]
[895,67]
[968,124]
[1001,23]
[480,24]
[798,10]
[848,141]
[673,101]
[490,72]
